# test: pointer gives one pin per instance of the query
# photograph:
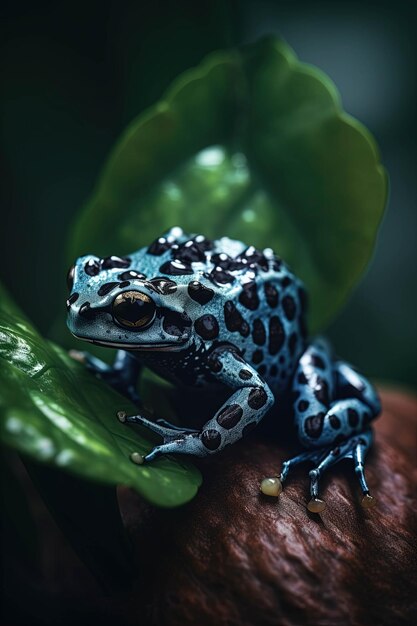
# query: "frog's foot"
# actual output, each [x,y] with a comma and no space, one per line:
[176,439]
[122,375]
[354,448]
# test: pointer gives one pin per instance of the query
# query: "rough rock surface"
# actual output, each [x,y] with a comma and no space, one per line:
[235,557]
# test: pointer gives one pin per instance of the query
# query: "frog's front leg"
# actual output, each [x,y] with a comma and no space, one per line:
[247,405]
[122,375]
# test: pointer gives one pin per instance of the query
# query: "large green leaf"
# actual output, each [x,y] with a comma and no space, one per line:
[255,145]
[54,410]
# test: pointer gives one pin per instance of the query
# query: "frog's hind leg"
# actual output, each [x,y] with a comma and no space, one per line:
[333,406]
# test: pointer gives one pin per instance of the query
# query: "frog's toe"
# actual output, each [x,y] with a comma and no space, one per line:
[165,431]
[159,451]
[354,448]
[78,355]
[92,363]
[175,439]
[182,443]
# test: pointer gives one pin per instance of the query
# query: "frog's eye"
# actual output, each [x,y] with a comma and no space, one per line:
[70,277]
[133,310]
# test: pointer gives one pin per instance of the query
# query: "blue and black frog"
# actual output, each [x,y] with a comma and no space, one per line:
[227,317]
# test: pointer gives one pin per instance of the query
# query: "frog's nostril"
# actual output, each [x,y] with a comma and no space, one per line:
[73,298]
[86,311]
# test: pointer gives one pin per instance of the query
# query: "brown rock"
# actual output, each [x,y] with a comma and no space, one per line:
[235,557]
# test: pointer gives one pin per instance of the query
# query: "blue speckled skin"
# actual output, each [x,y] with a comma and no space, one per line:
[221,314]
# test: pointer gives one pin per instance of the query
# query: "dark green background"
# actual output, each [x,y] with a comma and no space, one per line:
[75,73]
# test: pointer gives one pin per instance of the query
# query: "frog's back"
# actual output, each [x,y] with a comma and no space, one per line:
[236,295]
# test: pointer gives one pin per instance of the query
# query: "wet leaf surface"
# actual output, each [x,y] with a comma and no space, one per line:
[55,411]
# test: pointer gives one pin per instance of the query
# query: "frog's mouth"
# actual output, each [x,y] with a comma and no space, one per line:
[160,347]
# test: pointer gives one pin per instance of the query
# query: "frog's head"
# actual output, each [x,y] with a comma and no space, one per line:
[113,306]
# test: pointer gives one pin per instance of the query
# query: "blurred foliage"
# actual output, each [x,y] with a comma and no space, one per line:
[75,74]
[284,167]
[55,411]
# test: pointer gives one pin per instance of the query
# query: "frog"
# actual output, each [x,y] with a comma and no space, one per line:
[228,318]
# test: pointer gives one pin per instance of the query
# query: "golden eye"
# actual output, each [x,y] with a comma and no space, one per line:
[70,277]
[133,310]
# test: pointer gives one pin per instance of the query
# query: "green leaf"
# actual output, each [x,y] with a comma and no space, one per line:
[57,412]
[253,145]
